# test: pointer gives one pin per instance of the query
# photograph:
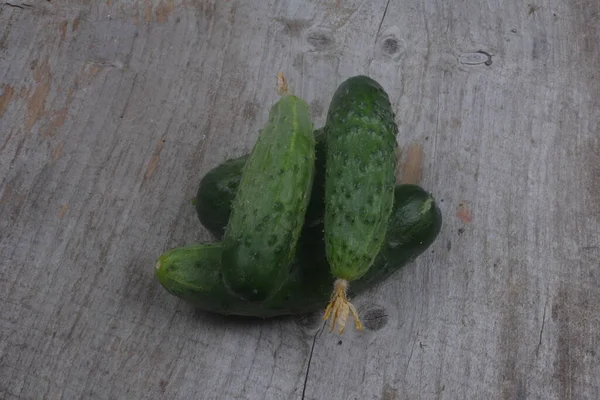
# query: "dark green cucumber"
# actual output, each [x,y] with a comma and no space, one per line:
[270,205]
[216,192]
[193,273]
[359,176]
[218,187]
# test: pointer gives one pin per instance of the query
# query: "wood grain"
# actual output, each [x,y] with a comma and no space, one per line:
[111,112]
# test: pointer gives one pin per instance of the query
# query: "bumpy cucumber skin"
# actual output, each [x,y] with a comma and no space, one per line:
[359,176]
[413,226]
[193,273]
[217,190]
[270,205]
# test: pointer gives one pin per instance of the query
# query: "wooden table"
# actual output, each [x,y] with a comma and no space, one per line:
[111,111]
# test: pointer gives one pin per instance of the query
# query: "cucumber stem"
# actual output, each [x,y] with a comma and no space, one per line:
[282,87]
[339,307]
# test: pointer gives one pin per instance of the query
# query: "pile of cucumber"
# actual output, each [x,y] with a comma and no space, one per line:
[309,217]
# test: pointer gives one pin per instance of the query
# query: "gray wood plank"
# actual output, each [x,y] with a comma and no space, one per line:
[111,112]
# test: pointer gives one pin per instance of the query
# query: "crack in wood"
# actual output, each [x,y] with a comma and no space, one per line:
[22,6]
[381,22]
[537,350]
[411,353]
[312,349]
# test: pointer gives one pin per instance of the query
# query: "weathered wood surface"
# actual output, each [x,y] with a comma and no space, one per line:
[111,111]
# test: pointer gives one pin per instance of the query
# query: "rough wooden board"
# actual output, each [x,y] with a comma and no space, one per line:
[112,111]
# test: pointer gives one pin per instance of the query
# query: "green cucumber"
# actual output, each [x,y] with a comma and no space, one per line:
[193,273]
[359,185]
[215,195]
[218,187]
[270,205]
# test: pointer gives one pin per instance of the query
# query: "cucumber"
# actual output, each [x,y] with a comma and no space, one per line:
[218,187]
[215,195]
[193,273]
[270,205]
[359,185]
